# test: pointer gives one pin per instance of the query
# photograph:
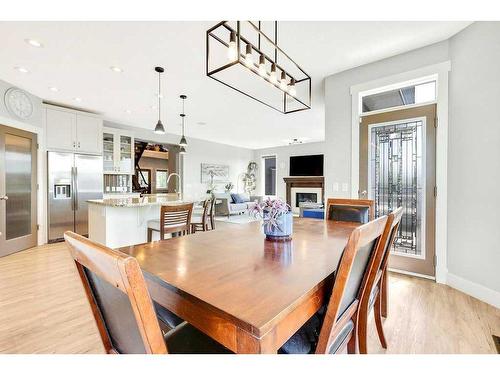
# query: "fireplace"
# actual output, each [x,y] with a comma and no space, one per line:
[307,187]
[301,197]
[306,195]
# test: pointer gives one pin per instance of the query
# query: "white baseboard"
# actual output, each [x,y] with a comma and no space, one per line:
[395,270]
[478,291]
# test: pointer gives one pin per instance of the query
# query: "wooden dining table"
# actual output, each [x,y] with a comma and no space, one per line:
[247,293]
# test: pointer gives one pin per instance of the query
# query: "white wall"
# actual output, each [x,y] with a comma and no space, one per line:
[198,151]
[283,154]
[338,108]
[474,156]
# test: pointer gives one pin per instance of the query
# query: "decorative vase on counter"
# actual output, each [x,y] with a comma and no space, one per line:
[277,219]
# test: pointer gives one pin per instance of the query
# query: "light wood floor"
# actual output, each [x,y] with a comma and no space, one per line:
[43,309]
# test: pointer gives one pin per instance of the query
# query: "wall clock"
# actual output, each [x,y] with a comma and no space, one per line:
[18,103]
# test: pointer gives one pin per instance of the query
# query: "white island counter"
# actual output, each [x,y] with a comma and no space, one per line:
[123,222]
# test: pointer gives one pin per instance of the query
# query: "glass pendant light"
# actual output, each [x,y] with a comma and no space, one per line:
[232,50]
[159,128]
[248,56]
[183,141]
[262,66]
[283,84]
[292,90]
[273,77]
[182,150]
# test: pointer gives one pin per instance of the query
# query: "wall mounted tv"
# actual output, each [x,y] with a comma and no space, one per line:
[307,165]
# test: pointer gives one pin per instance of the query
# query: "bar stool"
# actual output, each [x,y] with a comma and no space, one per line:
[173,219]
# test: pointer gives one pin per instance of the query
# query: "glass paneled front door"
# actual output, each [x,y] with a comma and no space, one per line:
[397,169]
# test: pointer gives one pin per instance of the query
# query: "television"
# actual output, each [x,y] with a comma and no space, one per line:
[307,165]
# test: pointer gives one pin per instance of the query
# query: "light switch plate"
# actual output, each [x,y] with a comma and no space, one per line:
[335,186]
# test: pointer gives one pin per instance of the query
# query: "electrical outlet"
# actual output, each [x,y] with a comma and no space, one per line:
[345,186]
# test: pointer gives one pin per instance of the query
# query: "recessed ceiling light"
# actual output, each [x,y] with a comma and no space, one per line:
[159,96]
[153,107]
[201,123]
[128,111]
[34,43]
[116,69]
[54,89]
[21,69]
[77,99]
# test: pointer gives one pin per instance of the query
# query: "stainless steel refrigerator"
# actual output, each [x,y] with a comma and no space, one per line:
[73,179]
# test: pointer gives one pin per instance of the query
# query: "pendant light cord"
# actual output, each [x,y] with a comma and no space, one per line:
[159,96]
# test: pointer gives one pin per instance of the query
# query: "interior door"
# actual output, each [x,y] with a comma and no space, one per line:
[18,192]
[397,168]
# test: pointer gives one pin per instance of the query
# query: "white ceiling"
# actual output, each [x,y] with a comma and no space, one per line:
[76,58]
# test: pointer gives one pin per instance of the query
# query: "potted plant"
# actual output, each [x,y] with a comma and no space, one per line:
[277,218]
[229,186]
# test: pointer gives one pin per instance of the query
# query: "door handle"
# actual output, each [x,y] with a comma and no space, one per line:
[4,198]
[76,188]
[78,144]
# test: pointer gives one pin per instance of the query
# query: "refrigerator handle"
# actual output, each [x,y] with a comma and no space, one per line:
[73,188]
[75,178]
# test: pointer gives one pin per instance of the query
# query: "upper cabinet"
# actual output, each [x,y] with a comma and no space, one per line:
[118,151]
[70,130]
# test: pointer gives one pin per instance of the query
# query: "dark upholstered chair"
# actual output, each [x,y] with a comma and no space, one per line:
[353,210]
[122,306]
[333,327]
[372,290]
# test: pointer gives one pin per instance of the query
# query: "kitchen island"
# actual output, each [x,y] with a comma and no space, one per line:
[123,222]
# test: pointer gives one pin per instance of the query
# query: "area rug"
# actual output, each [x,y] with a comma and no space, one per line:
[237,219]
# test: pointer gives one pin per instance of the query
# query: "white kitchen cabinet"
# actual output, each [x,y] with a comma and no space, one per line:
[118,152]
[61,130]
[88,133]
[71,130]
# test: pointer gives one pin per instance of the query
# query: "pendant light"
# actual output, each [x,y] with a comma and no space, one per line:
[183,142]
[232,49]
[159,128]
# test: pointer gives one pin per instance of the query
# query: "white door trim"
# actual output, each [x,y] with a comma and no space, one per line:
[41,171]
[440,73]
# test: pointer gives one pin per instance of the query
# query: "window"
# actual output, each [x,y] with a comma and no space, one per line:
[416,94]
[161,179]
[269,175]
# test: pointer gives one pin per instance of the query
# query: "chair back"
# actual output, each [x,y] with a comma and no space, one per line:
[354,210]
[207,204]
[175,219]
[211,212]
[344,300]
[396,215]
[119,298]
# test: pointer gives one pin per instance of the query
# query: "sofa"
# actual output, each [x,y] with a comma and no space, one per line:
[226,206]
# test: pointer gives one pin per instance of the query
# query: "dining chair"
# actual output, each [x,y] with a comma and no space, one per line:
[333,327]
[372,289]
[202,223]
[174,219]
[211,213]
[353,210]
[122,307]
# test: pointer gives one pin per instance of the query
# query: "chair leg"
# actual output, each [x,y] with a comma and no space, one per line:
[351,344]
[383,291]
[378,320]
[362,325]
[150,234]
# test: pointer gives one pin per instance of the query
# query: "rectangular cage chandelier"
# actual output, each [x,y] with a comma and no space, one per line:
[241,56]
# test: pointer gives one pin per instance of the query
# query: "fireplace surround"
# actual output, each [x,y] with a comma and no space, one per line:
[303,182]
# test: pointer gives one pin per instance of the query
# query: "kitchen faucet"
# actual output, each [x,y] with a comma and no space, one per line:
[179,194]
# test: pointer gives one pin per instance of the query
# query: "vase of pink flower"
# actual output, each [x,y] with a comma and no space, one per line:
[277,218]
